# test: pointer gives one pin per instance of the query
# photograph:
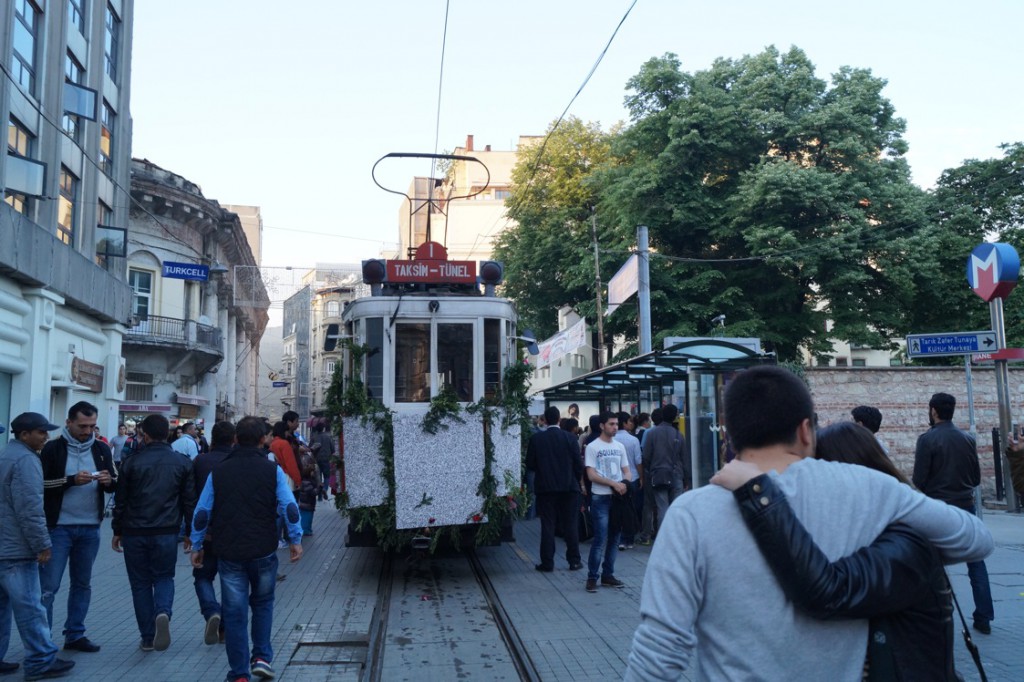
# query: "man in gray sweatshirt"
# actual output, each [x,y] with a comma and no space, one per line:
[25,545]
[709,591]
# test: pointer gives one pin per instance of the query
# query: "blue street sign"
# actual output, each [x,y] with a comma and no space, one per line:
[198,273]
[951,343]
[279,384]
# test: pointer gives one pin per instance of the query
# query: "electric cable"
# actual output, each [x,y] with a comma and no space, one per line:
[440,82]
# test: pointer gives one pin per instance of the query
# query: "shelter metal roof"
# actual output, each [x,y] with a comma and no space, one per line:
[658,368]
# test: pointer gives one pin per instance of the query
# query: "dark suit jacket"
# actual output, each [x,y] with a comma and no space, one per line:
[555,457]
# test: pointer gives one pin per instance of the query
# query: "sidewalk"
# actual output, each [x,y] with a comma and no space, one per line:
[324,606]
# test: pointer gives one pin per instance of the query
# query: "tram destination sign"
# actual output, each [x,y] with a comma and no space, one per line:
[951,343]
[432,271]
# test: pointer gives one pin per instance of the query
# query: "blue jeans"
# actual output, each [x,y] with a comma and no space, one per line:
[75,547]
[601,544]
[306,521]
[202,578]
[150,560]
[20,593]
[978,574]
[5,629]
[245,584]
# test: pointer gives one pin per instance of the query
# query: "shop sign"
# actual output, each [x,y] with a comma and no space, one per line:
[87,374]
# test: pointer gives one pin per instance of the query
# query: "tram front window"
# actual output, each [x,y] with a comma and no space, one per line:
[412,363]
[455,358]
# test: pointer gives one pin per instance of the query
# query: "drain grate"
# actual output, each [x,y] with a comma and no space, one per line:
[340,652]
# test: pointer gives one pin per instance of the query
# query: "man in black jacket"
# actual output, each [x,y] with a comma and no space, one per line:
[223,441]
[554,456]
[946,467]
[155,492]
[240,504]
[77,470]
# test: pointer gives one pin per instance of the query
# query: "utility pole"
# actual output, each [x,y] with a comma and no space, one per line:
[644,288]
[597,287]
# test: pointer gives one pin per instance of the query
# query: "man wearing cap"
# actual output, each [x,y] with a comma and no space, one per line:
[25,546]
[77,470]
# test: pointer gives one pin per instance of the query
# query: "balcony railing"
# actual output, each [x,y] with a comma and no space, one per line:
[171,330]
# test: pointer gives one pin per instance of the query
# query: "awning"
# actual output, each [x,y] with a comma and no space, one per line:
[658,368]
[190,399]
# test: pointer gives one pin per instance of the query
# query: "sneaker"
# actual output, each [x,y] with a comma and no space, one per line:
[576,566]
[162,638]
[646,542]
[210,635]
[612,581]
[59,668]
[622,547]
[544,569]
[629,546]
[591,585]
[982,626]
[146,645]
[82,644]
[261,668]
[281,544]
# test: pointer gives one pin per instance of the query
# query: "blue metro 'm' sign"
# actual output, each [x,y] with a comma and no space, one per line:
[992,270]
[199,273]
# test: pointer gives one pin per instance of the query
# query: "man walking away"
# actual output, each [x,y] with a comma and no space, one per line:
[322,447]
[608,471]
[223,441]
[663,451]
[946,467]
[24,546]
[554,457]
[155,494]
[633,454]
[706,570]
[77,471]
[240,504]
[871,419]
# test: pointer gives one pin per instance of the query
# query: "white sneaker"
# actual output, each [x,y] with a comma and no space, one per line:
[281,544]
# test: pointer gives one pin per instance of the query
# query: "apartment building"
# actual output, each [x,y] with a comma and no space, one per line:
[64,302]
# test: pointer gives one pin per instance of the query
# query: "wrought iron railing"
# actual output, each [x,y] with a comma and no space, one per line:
[189,333]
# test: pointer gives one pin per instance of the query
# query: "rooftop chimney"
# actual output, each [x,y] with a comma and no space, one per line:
[487,148]
[469,143]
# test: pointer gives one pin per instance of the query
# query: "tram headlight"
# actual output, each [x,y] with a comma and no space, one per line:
[491,272]
[374,271]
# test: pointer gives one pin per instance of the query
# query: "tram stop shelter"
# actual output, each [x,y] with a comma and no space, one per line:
[692,374]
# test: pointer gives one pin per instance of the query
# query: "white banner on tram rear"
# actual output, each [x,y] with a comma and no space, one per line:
[562,343]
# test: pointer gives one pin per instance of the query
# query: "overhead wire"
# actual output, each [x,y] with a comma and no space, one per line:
[440,83]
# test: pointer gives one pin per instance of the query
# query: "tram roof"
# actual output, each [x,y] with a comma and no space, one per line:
[658,368]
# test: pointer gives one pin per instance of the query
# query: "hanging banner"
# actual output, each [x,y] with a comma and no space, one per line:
[624,284]
[562,343]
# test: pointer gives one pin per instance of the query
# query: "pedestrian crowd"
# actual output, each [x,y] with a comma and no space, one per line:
[806,535]
[233,503]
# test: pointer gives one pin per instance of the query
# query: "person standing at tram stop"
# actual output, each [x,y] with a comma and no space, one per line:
[665,468]
[607,467]
[553,456]
[25,546]
[77,471]
[946,468]
[240,505]
[633,454]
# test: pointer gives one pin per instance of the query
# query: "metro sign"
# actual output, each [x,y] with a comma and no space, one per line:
[432,266]
[992,270]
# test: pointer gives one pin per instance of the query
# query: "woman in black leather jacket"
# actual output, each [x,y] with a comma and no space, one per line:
[897,582]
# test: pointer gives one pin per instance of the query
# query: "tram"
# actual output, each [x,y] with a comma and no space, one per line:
[433,448]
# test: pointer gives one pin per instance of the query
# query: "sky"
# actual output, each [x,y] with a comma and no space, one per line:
[287,106]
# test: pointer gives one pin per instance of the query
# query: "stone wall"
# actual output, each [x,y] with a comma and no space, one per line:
[902,394]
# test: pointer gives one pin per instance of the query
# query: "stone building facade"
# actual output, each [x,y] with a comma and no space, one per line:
[902,395]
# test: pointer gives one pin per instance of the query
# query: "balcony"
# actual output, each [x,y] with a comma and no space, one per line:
[185,339]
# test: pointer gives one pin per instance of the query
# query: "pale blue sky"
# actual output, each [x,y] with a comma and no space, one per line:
[288,105]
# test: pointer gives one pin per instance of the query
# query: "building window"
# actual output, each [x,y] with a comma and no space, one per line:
[860,362]
[329,368]
[107,139]
[502,194]
[824,361]
[26,31]
[841,362]
[19,143]
[76,15]
[333,309]
[895,362]
[111,43]
[141,282]
[66,207]
[138,387]
[73,73]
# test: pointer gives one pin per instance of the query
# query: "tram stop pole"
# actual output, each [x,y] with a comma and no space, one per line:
[995,308]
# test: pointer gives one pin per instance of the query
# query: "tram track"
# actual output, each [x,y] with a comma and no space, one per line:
[413,605]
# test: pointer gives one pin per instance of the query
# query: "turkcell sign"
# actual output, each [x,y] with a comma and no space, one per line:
[199,273]
[951,343]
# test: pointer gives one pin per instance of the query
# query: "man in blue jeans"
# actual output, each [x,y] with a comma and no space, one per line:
[607,467]
[240,505]
[77,470]
[24,546]
[155,494]
[946,468]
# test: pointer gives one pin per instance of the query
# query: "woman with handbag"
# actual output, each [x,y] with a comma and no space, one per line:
[897,582]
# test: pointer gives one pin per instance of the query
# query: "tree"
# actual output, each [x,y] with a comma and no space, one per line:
[771,196]
[548,255]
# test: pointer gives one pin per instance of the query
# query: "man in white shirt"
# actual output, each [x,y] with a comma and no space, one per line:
[608,470]
[187,444]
